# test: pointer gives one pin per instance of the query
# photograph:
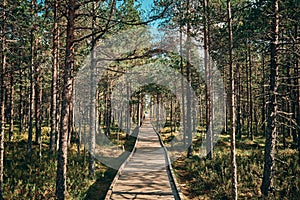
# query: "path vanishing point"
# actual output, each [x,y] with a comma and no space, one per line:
[146,174]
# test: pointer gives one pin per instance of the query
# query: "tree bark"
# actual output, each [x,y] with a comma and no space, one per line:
[263,110]
[2,103]
[11,105]
[92,102]
[238,102]
[53,118]
[32,87]
[188,89]
[207,66]
[21,105]
[183,115]
[297,101]
[66,100]
[37,106]
[232,108]
[250,120]
[71,116]
[38,112]
[271,131]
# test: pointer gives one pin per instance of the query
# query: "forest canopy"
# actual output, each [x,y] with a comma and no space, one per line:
[219,80]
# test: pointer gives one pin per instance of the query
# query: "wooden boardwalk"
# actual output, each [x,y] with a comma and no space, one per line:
[146,175]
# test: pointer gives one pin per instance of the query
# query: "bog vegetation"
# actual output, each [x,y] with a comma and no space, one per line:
[46,153]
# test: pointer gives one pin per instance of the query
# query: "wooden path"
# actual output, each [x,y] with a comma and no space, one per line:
[146,174]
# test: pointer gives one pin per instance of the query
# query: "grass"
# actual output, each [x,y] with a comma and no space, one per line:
[35,178]
[201,178]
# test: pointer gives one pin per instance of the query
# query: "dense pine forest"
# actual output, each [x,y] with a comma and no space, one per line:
[219,80]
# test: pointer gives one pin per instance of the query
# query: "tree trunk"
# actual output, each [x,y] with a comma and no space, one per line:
[100,115]
[2,103]
[250,127]
[66,100]
[207,66]
[32,92]
[38,112]
[263,110]
[297,101]
[238,102]
[59,108]
[11,105]
[21,105]
[108,110]
[182,88]
[53,118]
[157,112]
[232,110]
[271,131]
[38,101]
[92,140]
[138,110]
[71,116]
[188,92]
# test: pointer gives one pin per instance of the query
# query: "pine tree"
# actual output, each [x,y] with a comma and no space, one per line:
[271,129]
[2,98]
[62,157]
[232,111]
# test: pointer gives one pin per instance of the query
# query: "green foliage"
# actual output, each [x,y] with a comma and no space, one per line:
[36,178]
[33,179]
[211,179]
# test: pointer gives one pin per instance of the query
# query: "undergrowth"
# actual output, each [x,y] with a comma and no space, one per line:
[201,178]
[35,178]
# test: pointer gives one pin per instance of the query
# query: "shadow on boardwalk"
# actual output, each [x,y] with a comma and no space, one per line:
[99,189]
[145,175]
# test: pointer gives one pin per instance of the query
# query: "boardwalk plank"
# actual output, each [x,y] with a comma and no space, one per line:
[145,175]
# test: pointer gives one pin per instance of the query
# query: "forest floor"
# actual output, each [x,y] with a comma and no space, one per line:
[34,178]
[201,178]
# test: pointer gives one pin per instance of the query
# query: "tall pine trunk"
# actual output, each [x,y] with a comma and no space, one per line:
[21,104]
[238,102]
[207,66]
[66,100]
[183,115]
[188,89]
[37,106]
[92,121]
[232,110]
[263,105]
[249,69]
[297,101]
[2,103]
[271,131]
[53,118]
[32,70]
[11,105]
